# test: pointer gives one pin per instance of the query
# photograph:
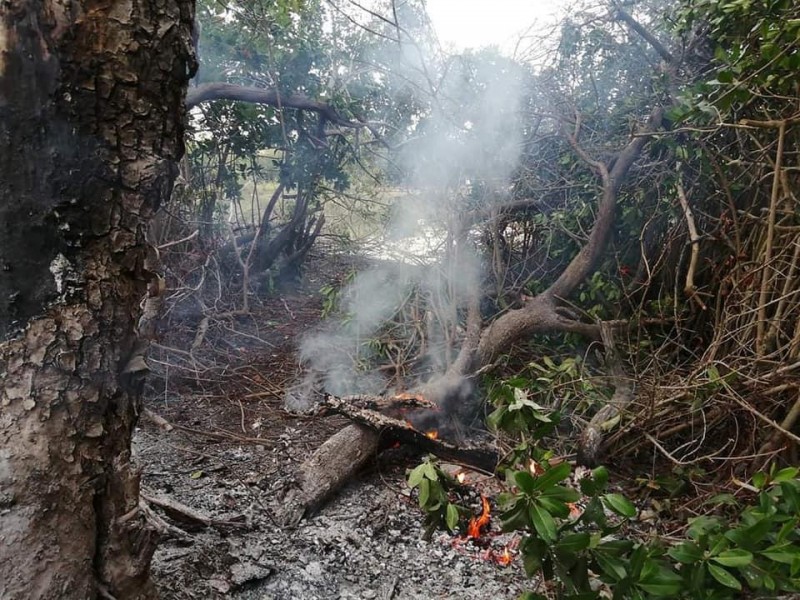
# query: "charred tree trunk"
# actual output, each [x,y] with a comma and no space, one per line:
[91,112]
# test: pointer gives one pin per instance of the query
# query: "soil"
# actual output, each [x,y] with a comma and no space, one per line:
[233,449]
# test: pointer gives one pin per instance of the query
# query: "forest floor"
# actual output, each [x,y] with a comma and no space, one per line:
[231,450]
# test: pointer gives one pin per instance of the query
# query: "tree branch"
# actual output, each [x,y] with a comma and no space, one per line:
[270,96]
[644,34]
[539,313]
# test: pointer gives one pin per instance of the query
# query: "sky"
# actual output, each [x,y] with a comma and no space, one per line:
[463,24]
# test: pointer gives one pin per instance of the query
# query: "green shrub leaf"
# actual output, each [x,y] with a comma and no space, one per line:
[620,505]
[724,577]
[525,481]
[734,557]
[543,522]
[451,517]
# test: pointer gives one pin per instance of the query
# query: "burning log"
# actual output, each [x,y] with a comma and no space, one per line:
[344,453]
[359,409]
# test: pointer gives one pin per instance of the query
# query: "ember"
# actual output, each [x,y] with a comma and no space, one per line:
[505,558]
[432,434]
[475,525]
[461,477]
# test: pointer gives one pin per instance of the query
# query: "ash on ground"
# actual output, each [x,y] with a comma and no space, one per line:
[365,543]
[234,448]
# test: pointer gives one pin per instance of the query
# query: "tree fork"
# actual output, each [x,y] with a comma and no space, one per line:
[91,127]
[540,314]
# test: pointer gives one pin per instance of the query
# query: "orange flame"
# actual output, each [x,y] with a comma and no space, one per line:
[461,477]
[505,558]
[475,525]
[432,434]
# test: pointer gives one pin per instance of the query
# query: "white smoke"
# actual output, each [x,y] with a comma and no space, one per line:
[459,157]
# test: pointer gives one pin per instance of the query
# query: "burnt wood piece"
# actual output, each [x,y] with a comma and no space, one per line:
[358,409]
[330,467]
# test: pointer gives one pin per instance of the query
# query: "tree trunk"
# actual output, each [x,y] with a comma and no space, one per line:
[91,113]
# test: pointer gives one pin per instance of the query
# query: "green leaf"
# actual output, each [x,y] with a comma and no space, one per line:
[525,482]
[574,542]
[662,582]
[759,479]
[417,475]
[600,476]
[735,557]
[791,494]
[424,492]
[724,577]
[196,474]
[686,553]
[555,507]
[726,499]
[611,566]
[533,552]
[543,522]
[451,517]
[747,537]
[553,476]
[516,517]
[785,474]
[559,492]
[785,553]
[620,505]
[430,471]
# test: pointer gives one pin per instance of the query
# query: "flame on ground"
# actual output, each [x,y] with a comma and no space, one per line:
[475,525]
[505,558]
[461,477]
[432,434]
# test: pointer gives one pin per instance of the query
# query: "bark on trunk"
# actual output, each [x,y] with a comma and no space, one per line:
[91,113]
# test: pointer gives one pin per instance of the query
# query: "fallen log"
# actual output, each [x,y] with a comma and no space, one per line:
[333,464]
[345,453]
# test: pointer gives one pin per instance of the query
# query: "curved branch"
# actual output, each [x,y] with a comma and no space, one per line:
[207,92]
[539,313]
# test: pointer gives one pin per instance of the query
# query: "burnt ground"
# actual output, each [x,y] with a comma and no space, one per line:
[233,448]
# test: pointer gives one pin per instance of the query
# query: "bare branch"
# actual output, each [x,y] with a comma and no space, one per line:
[228,91]
[644,34]
[539,313]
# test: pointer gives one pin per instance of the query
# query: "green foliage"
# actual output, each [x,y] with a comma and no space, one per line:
[433,486]
[551,383]
[515,410]
[758,548]
[756,51]
[331,294]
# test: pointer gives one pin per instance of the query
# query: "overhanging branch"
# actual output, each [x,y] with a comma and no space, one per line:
[644,34]
[539,313]
[207,92]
